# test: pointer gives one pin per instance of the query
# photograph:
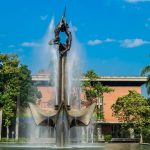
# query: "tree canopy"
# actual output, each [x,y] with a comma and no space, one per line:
[132,108]
[15,82]
[28,92]
[146,72]
[92,88]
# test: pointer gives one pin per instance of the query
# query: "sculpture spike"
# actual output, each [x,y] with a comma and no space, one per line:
[64,14]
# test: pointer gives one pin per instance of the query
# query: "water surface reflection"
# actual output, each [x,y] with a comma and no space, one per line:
[81,147]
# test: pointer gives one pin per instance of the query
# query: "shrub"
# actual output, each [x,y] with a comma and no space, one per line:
[146,135]
[107,138]
[100,115]
[4,140]
[20,140]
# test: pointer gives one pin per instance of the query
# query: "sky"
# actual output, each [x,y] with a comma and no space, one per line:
[114,34]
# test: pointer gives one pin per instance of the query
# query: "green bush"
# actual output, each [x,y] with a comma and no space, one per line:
[146,135]
[9,140]
[100,114]
[107,138]
[4,140]
[20,140]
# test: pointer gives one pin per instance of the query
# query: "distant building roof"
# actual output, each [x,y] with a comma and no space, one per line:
[40,77]
[107,80]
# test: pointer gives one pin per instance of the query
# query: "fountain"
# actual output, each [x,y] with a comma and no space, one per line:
[62,117]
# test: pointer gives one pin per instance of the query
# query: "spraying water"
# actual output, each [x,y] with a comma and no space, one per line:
[74,72]
[72,84]
[47,59]
[52,53]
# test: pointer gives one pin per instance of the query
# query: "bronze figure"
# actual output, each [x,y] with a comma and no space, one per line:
[62,27]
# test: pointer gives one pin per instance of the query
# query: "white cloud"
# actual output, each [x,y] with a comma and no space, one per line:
[135,1]
[126,43]
[131,43]
[110,40]
[94,42]
[97,41]
[43,18]
[29,44]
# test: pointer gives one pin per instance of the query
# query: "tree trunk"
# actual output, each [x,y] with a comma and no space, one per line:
[17,119]
[141,137]
[99,132]
[0,124]
[87,134]
[7,127]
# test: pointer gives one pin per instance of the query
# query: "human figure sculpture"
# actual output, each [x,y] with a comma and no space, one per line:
[62,27]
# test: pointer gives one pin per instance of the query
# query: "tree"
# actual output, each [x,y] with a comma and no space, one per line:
[15,81]
[146,71]
[132,109]
[94,89]
[27,93]
[9,86]
[146,134]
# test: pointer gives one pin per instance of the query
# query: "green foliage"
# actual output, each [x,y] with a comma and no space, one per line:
[9,73]
[146,134]
[100,114]
[101,89]
[20,140]
[87,86]
[91,75]
[146,72]
[132,109]
[28,92]
[15,82]
[92,88]
[4,140]
[107,138]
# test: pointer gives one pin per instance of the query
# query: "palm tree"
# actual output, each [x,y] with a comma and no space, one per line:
[146,71]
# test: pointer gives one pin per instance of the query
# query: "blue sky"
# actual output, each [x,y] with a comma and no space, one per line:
[114,34]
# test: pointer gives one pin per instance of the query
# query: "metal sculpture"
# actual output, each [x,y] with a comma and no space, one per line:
[62,117]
